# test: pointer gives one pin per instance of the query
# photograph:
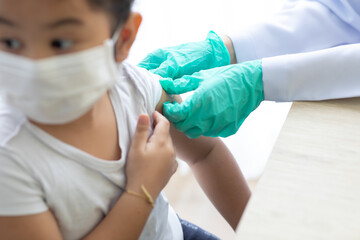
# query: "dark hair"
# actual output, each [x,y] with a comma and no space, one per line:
[119,10]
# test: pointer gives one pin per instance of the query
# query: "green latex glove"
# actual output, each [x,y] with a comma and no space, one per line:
[185,59]
[224,97]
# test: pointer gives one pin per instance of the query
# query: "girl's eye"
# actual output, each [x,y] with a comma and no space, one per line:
[11,44]
[62,44]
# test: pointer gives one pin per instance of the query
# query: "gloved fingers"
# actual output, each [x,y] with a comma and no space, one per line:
[148,64]
[184,119]
[175,112]
[180,85]
[208,124]
[165,69]
[153,60]
[207,129]
[225,131]
[177,86]
[168,85]
[195,128]
[194,132]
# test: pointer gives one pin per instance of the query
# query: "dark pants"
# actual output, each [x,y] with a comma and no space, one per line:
[193,232]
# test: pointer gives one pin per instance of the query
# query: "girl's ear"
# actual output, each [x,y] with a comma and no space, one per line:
[127,36]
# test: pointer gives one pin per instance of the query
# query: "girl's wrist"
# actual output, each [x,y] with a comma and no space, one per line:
[230,47]
[151,188]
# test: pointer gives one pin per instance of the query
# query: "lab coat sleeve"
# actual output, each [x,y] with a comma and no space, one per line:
[324,74]
[301,26]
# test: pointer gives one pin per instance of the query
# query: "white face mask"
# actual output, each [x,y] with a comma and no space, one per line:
[60,89]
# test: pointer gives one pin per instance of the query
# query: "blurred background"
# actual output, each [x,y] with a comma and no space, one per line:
[173,22]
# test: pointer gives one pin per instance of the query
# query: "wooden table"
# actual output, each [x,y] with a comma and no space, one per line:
[310,188]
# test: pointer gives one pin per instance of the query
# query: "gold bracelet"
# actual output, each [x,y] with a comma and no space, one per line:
[147,196]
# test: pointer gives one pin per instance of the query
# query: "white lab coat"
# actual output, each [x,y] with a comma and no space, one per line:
[310,50]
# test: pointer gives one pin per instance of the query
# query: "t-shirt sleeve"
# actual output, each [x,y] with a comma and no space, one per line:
[149,87]
[20,193]
[154,91]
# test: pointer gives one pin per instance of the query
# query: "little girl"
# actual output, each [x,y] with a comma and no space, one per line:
[78,164]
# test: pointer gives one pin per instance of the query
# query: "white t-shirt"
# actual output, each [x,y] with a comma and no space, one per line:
[9,120]
[39,172]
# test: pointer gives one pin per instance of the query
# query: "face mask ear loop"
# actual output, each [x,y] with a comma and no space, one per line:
[115,38]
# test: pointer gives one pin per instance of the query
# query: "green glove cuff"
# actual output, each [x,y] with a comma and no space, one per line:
[221,53]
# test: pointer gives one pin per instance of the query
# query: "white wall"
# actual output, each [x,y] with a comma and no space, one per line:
[173,22]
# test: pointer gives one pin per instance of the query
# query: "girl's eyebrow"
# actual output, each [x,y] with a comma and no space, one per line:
[7,22]
[56,24]
[64,22]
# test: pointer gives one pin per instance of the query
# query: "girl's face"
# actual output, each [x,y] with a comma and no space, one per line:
[43,28]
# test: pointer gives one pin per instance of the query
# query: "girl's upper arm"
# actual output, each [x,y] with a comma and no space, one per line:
[41,226]
[23,210]
[166,98]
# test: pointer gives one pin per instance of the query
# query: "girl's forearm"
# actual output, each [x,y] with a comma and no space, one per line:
[126,219]
[221,179]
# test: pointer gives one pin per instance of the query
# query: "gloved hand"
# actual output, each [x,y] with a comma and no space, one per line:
[185,59]
[224,97]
